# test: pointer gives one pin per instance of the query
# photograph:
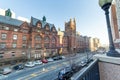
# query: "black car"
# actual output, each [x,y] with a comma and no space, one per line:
[65,73]
[57,58]
[18,67]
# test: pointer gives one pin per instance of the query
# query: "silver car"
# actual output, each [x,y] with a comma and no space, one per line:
[30,64]
[5,70]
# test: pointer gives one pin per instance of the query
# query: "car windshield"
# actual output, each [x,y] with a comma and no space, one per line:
[5,69]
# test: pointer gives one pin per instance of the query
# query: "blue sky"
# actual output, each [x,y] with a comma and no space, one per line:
[90,18]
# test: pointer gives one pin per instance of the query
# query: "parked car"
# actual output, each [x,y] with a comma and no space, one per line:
[50,60]
[57,58]
[63,57]
[44,61]
[30,64]
[65,73]
[18,66]
[38,62]
[5,70]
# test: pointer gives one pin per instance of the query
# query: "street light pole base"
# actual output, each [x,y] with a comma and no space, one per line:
[113,53]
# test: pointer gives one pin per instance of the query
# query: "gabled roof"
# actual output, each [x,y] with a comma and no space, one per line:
[11,21]
[35,20]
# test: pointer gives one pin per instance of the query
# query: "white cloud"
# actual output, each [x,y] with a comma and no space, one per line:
[2,12]
[23,19]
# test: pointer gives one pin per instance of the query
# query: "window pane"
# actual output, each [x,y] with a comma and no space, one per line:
[38,46]
[4,36]
[24,37]
[6,28]
[46,45]
[53,39]
[15,37]
[46,39]
[24,45]
[38,38]
[53,45]
[16,30]
[14,45]
[2,45]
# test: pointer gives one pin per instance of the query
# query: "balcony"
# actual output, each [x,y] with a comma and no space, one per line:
[102,68]
[90,72]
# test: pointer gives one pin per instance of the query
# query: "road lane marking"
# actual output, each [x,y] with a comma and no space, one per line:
[33,75]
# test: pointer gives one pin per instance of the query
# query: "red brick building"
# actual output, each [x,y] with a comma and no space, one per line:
[19,39]
[115,28]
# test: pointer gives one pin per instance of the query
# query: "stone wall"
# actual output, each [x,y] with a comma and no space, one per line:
[109,71]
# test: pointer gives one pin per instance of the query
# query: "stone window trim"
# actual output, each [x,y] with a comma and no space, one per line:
[24,37]
[53,45]
[15,29]
[38,38]
[39,24]
[47,39]
[46,45]
[47,27]
[3,36]
[24,45]
[15,36]
[14,45]
[2,45]
[53,40]
[38,46]
[6,27]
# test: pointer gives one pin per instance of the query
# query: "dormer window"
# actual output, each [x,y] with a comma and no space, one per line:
[6,28]
[39,25]
[47,27]
[15,29]
[53,30]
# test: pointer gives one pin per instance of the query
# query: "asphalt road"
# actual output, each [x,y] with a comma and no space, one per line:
[47,71]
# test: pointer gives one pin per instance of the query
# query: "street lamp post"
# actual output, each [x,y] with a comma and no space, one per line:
[105,5]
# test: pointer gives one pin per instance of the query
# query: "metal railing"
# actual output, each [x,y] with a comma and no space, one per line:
[91,72]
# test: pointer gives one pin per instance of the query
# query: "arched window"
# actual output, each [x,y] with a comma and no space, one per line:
[65,41]
[46,39]
[38,46]
[53,42]
[47,42]
[39,25]
[38,38]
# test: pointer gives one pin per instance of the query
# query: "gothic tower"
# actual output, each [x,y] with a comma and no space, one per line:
[70,30]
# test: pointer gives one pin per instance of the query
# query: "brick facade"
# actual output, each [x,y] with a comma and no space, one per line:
[32,40]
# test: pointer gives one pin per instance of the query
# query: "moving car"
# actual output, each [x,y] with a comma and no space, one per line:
[30,64]
[5,70]
[18,67]
[65,73]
